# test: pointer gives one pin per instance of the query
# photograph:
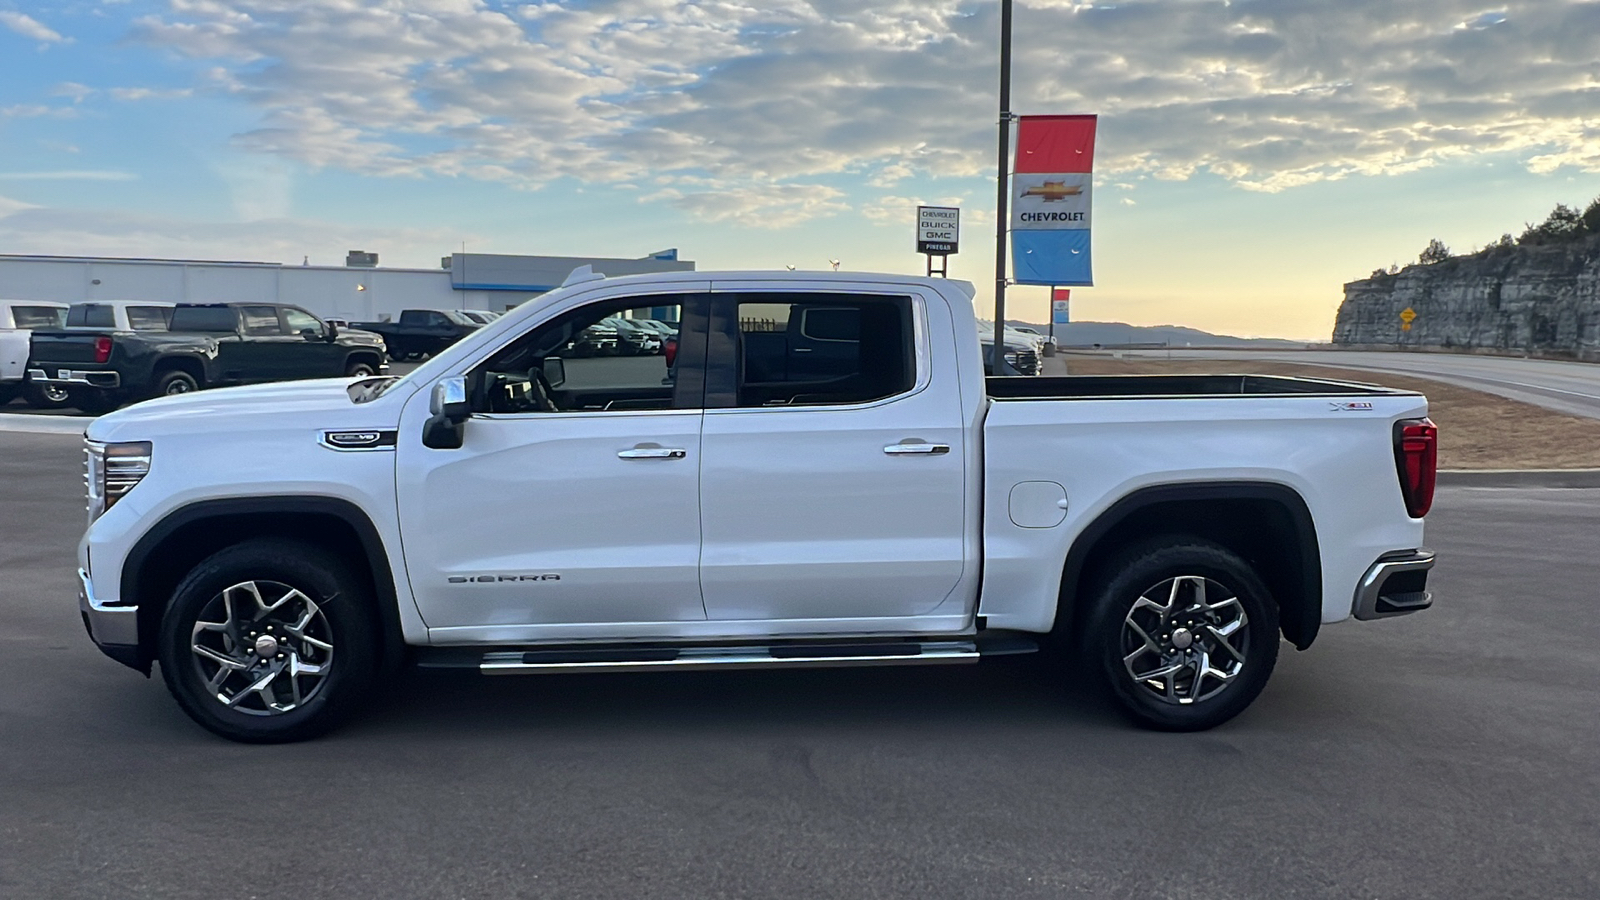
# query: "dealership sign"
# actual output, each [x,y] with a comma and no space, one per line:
[938,228]
[1051,187]
[1061,306]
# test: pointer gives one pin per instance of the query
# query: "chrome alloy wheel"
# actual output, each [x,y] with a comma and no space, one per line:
[54,393]
[262,648]
[1185,639]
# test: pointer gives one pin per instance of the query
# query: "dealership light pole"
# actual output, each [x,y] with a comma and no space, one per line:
[1002,196]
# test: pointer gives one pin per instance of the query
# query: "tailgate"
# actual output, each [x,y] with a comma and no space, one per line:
[50,347]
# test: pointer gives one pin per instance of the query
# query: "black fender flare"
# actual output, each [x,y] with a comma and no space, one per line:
[376,555]
[1299,621]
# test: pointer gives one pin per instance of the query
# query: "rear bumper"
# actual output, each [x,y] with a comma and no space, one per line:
[1395,585]
[91,377]
[114,629]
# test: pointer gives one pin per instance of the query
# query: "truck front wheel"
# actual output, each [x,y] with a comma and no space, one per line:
[1183,633]
[175,381]
[269,641]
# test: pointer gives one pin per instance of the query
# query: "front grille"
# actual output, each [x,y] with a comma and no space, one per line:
[1027,362]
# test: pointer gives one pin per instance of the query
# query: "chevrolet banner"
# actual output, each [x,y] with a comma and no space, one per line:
[1051,186]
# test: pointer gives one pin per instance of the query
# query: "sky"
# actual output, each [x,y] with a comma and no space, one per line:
[1253,155]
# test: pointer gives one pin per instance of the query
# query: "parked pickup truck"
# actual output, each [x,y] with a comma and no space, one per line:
[511,507]
[422,332]
[206,345]
[18,318]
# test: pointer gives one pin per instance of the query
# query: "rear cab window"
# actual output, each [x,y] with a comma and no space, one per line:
[38,316]
[91,315]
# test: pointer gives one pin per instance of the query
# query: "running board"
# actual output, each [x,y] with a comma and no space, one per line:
[536,662]
[797,654]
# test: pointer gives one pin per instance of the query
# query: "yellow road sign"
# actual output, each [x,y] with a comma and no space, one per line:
[1405,326]
[1408,315]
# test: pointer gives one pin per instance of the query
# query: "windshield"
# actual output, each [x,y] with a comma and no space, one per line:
[39,316]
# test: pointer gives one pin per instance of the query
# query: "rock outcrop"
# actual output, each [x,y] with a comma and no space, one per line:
[1542,300]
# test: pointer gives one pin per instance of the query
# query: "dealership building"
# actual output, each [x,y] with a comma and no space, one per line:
[360,290]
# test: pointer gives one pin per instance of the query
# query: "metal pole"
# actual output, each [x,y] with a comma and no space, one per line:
[1052,314]
[1002,195]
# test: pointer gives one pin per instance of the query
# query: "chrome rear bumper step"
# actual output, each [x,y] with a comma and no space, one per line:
[535,662]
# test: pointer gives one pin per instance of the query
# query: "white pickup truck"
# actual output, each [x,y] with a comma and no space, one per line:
[817,473]
[18,319]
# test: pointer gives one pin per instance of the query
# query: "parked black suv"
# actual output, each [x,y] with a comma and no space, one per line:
[208,345]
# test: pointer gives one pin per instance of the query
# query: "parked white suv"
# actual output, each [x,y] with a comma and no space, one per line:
[827,479]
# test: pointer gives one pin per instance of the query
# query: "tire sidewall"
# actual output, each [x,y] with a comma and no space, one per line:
[335,590]
[1145,566]
[360,370]
[166,380]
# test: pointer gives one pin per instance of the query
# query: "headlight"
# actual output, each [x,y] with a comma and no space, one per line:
[111,471]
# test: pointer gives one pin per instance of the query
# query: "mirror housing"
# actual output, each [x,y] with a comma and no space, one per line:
[446,428]
[331,332]
[555,371]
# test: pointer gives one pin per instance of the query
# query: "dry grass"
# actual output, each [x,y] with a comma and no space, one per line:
[1476,430]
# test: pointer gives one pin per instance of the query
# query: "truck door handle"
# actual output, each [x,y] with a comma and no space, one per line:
[903,449]
[652,453]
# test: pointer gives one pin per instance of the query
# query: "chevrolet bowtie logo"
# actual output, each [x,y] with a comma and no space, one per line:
[1054,190]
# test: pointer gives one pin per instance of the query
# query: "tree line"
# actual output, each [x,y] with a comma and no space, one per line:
[1564,224]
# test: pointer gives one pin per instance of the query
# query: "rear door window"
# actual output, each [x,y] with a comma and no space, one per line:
[816,349]
[205,319]
[261,321]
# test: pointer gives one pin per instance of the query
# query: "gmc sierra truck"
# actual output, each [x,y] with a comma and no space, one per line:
[513,506]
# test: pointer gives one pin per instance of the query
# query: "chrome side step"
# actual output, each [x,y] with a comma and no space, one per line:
[535,662]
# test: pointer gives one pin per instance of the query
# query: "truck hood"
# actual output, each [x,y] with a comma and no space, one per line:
[321,403]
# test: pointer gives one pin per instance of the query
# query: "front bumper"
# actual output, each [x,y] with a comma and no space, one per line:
[114,629]
[1395,585]
[91,377]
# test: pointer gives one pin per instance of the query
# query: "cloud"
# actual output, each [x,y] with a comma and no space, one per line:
[69,175]
[28,229]
[29,27]
[764,106]
[143,93]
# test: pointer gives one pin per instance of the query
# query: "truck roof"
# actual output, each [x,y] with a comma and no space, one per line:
[941,284]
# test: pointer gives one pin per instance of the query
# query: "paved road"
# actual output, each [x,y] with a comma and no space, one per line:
[1450,754]
[1569,387]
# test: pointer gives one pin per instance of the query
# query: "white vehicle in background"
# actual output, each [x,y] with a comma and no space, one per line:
[481,316]
[1043,339]
[18,319]
[1021,352]
[820,475]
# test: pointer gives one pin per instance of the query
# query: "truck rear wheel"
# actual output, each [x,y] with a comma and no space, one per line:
[45,396]
[1183,633]
[175,381]
[269,641]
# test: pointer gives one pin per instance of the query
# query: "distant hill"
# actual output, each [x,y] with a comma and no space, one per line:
[1087,334]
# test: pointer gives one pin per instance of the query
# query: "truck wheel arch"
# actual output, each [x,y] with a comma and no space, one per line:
[189,534]
[189,364]
[1268,524]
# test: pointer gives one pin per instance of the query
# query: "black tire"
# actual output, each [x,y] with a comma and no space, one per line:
[1174,570]
[360,368]
[46,396]
[174,382]
[344,621]
[93,401]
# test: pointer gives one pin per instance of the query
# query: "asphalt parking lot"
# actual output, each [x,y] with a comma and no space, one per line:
[1449,754]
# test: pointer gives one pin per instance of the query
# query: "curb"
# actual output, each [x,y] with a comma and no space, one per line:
[1516,478]
[18,423]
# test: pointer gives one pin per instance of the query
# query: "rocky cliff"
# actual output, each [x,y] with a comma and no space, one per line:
[1542,299]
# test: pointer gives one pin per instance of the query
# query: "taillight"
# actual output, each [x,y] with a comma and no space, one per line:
[102,349]
[1416,456]
[669,349]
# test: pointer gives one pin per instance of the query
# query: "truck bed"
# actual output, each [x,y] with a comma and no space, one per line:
[1084,387]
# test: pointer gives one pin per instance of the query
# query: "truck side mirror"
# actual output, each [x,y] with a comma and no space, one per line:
[555,371]
[446,428]
[332,332]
